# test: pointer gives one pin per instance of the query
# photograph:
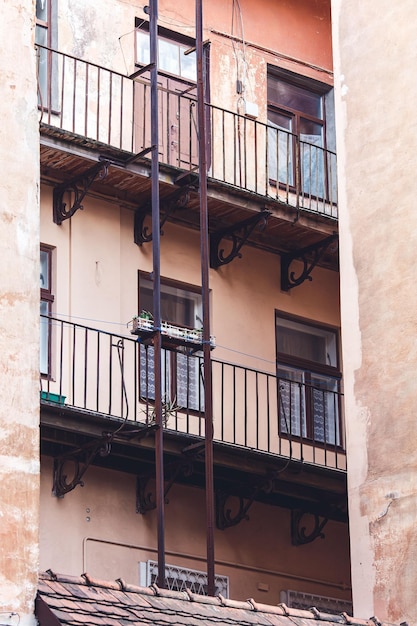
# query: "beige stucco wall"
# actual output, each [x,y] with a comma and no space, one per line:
[19,317]
[375,54]
[107,538]
[96,272]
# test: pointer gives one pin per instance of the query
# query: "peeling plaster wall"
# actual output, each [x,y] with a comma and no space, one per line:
[19,315]
[377,148]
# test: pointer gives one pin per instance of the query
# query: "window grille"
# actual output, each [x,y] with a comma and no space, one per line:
[302,600]
[181,578]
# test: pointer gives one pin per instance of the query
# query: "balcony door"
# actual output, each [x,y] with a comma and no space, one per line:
[182,386]
[308,381]
[177,114]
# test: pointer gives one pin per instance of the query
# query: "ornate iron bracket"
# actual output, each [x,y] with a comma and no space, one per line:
[299,534]
[238,234]
[178,200]
[80,459]
[224,516]
[309,256]
[145,499]
[79,186]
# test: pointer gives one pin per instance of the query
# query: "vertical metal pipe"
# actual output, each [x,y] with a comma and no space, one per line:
[159,440]
[204,248]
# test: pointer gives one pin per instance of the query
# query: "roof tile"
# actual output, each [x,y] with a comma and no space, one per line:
[85,601]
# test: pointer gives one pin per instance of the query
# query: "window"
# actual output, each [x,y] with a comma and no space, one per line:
[182,386]
[45,37]
[308,380]
[301,130]
[173,57]
[181,578]
[46,300]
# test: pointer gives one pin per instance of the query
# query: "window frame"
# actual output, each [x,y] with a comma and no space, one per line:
[50,89]
[172,37]
[170,355]
[295,115]
[309,369]
[47,296]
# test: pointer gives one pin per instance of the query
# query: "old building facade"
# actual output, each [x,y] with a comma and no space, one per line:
[279,460]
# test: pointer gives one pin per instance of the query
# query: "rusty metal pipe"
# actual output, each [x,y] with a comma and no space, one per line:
[204,251]
[156,236]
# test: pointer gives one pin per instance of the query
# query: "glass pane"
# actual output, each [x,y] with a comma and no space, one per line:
[41,36]
[311,132]
[190,392]
[169,57]
[294,97]
[142,47]
[42,10]
[291,398]
[188,65]
[280,148]
[312,158]
[44,339]
[306,342]
[326,409]
[178,306]
[44,275]
[147,375]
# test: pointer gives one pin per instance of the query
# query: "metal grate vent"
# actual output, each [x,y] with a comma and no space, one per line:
[301,600]
[181,578]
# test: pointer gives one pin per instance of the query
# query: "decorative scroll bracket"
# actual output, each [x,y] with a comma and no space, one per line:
[178,200]
[145,499]
[309,256]
[299,534]
[80,187]
[239,234]
[224,516]
[80,459]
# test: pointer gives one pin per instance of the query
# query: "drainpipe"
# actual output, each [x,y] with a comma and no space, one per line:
[156,239]
[204,252]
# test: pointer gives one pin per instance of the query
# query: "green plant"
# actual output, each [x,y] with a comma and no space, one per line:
[169,409]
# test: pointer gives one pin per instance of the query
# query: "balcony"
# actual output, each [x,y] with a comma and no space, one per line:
[108,378]
[89,114]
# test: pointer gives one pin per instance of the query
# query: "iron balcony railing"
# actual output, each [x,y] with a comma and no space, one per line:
[112,375]
[108,107]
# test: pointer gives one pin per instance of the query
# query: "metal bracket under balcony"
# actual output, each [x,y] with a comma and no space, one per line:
[79,186]
[176,201]
[301,535]
[78,460]
[227,517]
[309,256]
[145,497]
[238,234]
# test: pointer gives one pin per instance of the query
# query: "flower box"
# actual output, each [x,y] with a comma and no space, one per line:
[144,326]
[52,397]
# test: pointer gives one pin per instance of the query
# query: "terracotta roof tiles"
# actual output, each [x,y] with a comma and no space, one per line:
[84,601]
